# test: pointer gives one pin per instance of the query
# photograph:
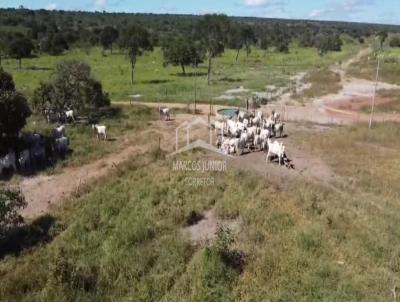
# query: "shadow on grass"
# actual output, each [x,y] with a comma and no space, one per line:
[189,74]
[155,81]
[28,236]
[230,80]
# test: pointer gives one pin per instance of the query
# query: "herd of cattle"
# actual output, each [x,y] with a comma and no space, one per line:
[252,131]
[35,151]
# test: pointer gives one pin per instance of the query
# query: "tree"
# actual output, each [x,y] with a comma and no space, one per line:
[136,40]
[248,37]
[212,31]
[54,44]
[264,44]
[395,42]
[327,42]
[108,36]
[182,52]
[306,39]
[14,108]
[72,87]
[235,40]
[11,202]
[20,47]
[281,38]
[382,35]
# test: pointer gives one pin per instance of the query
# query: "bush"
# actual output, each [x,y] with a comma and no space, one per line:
[11,202]
[395,42]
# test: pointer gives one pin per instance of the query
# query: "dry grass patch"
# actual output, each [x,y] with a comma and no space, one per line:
[323,82]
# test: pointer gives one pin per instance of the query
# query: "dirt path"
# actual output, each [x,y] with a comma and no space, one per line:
[338,108]
[43,192]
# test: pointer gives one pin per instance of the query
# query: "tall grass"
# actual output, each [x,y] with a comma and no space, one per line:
[123,241]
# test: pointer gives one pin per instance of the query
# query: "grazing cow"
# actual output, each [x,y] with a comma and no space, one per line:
[8,161]
[252,131]
[70,115]
[241,115]
[276,117]
[219,126]
[24,160]
[59,132]
[164,112]
[101,131]
[276,149]
[244,140]
[278,128]
[256,121]
[258,142]
[233,128]
[61,145]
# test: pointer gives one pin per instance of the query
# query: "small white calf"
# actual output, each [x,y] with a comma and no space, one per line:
[276,149]
[219,127]
[164,112]
[8,161]
[101,131]
[59,131]
[70,115]
[277,117]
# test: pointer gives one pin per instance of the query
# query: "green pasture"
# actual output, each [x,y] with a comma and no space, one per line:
[389,68]
[122,239]
[157,83]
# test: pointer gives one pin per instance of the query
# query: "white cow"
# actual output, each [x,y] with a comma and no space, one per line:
[277,117]
[101,131]
[59,131]
[69,114]
[256,121]
[165,112]
[258,142]
[8,161]
[252,131]
[219,126]
[276,149]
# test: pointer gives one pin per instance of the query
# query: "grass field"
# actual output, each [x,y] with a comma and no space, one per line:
[123,240]
[157,83]
[323,82]
[389,70]
[83,141]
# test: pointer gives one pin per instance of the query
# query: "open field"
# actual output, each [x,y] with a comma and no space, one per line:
[323,82]
[295,200]
[390,67]
[166,84]
[122,239]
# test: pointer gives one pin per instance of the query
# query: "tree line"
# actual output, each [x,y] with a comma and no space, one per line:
[185,39]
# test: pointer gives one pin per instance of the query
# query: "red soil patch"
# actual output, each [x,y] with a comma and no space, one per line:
[358,104]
